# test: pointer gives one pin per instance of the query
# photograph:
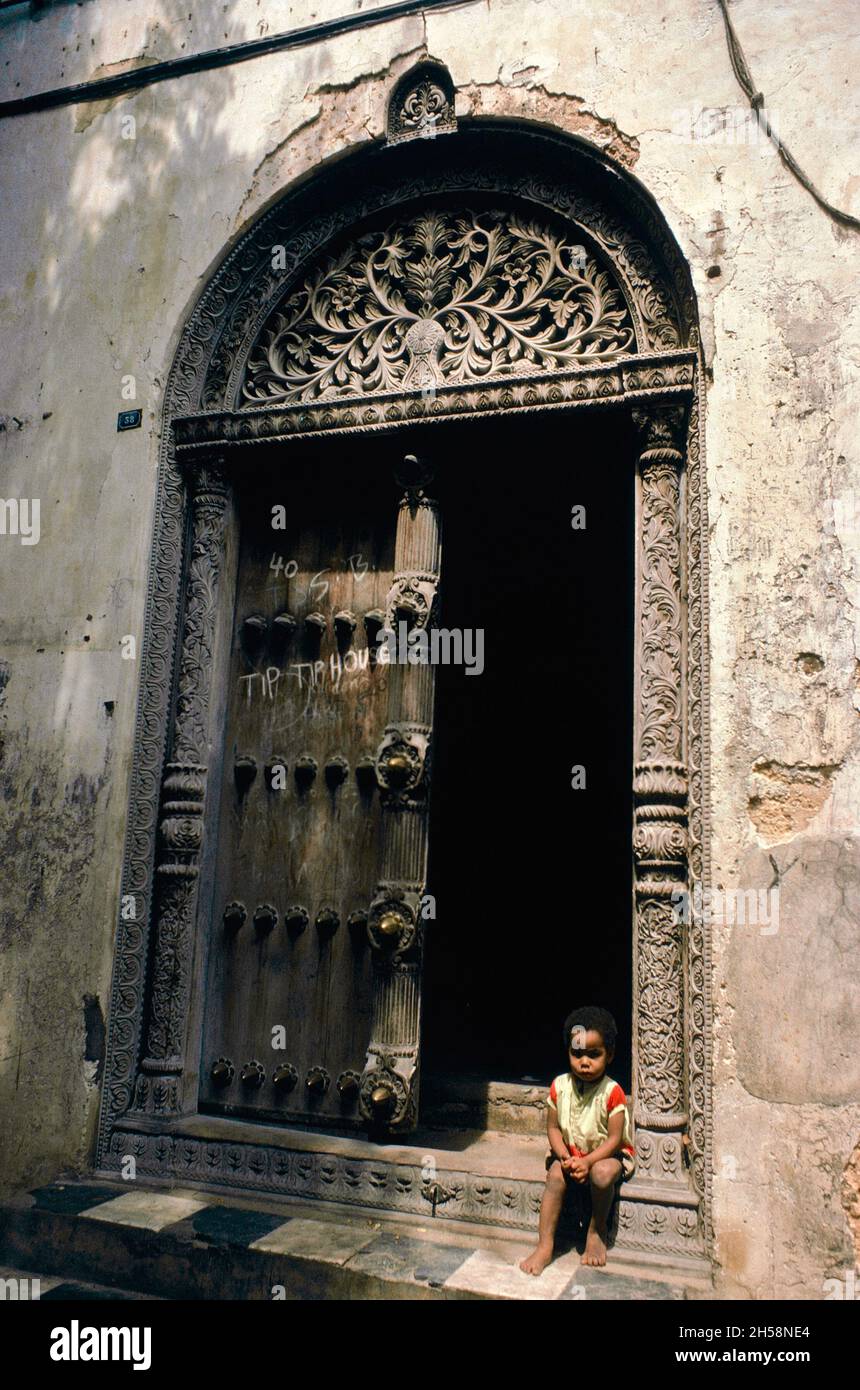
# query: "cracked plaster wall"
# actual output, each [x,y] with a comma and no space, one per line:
[107,242]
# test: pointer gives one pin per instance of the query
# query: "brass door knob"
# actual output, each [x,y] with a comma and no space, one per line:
[399,769]
[389,927]
[382,1101]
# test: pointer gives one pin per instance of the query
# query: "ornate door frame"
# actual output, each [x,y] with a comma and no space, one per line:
[150,1083]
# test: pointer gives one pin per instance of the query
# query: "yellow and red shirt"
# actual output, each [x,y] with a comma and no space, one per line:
[583,1110]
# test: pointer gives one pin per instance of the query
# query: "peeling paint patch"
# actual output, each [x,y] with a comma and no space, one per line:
[532,102]
[785,797]
[89,111]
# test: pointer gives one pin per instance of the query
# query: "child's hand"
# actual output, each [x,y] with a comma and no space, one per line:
[578,1169]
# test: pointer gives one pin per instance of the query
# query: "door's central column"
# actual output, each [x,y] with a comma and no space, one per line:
[388,1096]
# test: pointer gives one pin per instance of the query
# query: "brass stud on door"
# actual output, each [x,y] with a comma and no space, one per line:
[222,1073]
[265,918]
[253,633]
[252,1075]
[348,1084]
[336,771]
[365,774]
[327,922]
[317,1082]
[276,773]
[374,622]
[285,1078]
[344,627]
[374,619]
[234,916]
[315,627]
[244,771]
[296,920]
[284,625]
[305,771]
[357,923]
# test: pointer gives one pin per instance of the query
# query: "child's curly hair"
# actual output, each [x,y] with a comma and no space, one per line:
[594,1020]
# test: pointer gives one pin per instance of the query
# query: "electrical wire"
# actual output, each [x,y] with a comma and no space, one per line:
[756,101]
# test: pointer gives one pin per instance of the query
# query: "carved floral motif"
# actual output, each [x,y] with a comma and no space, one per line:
[422,105]
[440,298]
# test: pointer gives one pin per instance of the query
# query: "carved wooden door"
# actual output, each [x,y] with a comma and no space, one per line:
[314,956]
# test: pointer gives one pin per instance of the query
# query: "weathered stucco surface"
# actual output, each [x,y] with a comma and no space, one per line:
[106,243]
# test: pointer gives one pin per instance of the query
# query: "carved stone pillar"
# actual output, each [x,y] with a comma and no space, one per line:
[388,1094]
[183,793]
[660,802]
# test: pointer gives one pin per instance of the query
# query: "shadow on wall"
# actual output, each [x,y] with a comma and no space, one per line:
[114,224]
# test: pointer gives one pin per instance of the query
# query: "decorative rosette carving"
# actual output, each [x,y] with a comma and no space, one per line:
[180,834]
[410,600]
[385,1097]
[659,845]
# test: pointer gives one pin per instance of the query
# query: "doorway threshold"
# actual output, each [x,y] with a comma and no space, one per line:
[489,1178]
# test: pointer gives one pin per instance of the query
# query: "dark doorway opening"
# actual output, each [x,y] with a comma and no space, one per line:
[532,879]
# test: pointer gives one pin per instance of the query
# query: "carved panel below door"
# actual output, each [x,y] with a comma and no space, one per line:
[298,838]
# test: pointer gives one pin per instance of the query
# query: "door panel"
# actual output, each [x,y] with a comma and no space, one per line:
[299,833]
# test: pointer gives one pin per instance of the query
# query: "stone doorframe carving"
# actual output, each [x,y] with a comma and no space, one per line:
[150,1084]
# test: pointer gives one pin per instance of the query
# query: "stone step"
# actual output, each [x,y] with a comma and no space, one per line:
[486,1177]
[185,1244]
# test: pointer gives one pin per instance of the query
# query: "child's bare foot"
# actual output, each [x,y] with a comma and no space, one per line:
[537,1261]
[595,1245]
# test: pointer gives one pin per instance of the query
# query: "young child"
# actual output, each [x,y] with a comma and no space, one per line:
[589,1134]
